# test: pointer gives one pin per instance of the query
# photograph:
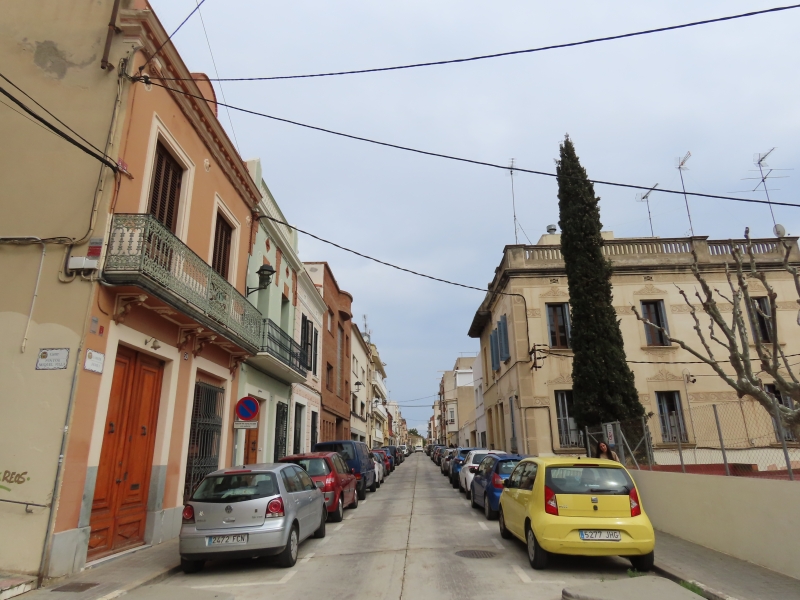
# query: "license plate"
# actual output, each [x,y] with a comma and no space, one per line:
[600,535]
[219,540]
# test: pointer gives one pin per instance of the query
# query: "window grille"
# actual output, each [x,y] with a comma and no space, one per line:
[204,434]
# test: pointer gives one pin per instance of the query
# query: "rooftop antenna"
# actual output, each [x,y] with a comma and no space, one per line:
[646,198]
[681,168]
[765,172]
[367,333]
[513,200]
[759,160]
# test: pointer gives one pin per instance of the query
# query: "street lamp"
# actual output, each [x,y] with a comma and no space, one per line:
[358,386]
[265,273]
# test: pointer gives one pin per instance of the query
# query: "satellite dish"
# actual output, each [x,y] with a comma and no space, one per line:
[779,230]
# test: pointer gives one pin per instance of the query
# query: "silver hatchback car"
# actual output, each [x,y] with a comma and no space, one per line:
[256,510]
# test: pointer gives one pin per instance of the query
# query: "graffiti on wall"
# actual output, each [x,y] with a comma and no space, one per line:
[13,478]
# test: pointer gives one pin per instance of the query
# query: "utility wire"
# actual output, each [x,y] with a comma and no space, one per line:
[102,158]
[22,114]
[514,52]
[194,10]
[147,79]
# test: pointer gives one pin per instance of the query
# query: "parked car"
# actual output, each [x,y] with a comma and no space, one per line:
[331,474]
[418,448]
[444,467]
[568,506]
[380,468]
[387,460]
[487,484]
[437,454]
[392,451]
[470,466]
[357,456]
[456,463]
[264,510]
[402,448]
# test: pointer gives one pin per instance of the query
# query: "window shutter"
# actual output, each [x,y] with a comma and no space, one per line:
[166,190]
[222,247]
[663,315]
[502,332]
[495,350]
[314,352]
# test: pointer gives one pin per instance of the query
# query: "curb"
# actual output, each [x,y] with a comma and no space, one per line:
[708,592]
[149,580]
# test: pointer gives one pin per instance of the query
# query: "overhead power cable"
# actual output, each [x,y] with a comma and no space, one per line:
[147,79]
[512,52]
[101,157]
[177,29]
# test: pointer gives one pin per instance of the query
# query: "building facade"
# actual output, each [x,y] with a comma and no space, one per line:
[361,394]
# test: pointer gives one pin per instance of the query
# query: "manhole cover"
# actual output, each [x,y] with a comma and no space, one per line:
[75,587]
[476,554]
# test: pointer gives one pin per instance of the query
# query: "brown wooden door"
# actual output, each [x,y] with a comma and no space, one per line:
[119,508]
[251,446]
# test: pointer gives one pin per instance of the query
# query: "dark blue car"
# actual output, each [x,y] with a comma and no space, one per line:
[358,458]
[487,485]
[457,463]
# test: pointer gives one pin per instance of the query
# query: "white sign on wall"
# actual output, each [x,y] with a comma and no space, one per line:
[610,434]
[51,359]
[94,361]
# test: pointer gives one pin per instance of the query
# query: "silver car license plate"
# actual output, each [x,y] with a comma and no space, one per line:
[219,540]
[600,535]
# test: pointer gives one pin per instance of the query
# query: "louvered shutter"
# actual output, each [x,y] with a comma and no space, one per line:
[166,190]
[495,350]
[222,247]
[502,333]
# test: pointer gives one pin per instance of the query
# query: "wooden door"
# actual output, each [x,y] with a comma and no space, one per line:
[119,507]
[251,446]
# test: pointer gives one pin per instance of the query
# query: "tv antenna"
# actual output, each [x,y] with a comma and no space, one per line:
[681,168]
[517,226]
[765,173]
[646,198]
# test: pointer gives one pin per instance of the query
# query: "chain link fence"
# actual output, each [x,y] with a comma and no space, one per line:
[732,438]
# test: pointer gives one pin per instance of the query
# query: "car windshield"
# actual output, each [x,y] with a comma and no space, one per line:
[476,458]
[236,488]
[315,467]
[463,453]
[578,479]
[345,450]
[506,466]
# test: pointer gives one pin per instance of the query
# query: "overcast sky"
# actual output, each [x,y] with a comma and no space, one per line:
[723,91]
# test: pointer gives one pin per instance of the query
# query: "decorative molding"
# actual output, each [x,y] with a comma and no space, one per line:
[236,360]
[124,305]
[518,300]
[787,305]
[661,351]
[554,292]
[561,380]
[684,308]
[648,290]
[756,285]
[203,340]
[712,397]
[624,310]
[645,399]
[664,375]
[185,332]
[541,401]
[534,312]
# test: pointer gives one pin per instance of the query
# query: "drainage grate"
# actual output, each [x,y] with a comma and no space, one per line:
[476,554]
[75,587]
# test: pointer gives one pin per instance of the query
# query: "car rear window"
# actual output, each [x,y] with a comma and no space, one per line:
[506,466]
[581,479]
[315,467]
[476,458]
[345,450]
[236,488]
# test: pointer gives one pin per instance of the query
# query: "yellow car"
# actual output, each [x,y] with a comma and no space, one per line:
[580,506]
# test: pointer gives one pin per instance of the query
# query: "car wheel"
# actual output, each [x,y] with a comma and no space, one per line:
[487,509]
[356,498]
[361,491]
[460,487]
[338,514]
[472,498]
[374,486]
[468,493]
[320,532]
[191,566]
[377,484]
[288,556]
[454,482]
[504,533]
[643,563]
[536,555]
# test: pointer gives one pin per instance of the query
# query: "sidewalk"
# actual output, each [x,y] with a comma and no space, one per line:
[679,559]
[115,576]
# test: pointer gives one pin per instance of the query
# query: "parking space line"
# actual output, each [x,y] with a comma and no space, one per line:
[307,558]
[338,527]
[324,541]
[283,580]
[114,594]
[521,574]
[483,526]
[498,544]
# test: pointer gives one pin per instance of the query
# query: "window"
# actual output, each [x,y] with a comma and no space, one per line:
[363,407]
[653,311]
[495,348]
[515,477]
[785,401]
[569,436]
[330,320]
[329,377]
[291,481]
[308,343]
[502,339]
[452,415]
[528,476]
[315,351]
[761,319]
[339,359]
[558,325]
[670,415]
[166,191]
[355,366]
[305,480]
[220,260]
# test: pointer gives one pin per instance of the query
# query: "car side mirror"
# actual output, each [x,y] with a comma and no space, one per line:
[507,483]
[353,471]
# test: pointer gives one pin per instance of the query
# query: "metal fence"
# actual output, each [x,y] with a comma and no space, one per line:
[732,438]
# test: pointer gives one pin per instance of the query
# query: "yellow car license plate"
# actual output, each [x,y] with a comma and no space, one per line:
[600,535]
[219,540]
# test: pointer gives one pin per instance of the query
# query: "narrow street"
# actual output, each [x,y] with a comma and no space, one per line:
[402,543]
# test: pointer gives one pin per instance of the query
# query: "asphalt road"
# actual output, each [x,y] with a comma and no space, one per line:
[401,543]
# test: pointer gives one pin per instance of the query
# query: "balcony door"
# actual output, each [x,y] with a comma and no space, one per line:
[166,191]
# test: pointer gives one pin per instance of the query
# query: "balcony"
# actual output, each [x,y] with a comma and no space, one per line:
[144,253]
[380,386]
[280,356]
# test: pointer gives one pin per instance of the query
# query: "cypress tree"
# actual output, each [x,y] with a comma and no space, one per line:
[603,388]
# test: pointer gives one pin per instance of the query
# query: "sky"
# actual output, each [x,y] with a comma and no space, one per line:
[723,91]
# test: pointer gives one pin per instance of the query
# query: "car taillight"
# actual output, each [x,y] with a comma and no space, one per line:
[188,514]
[330,480]
[550,504]
[275,508]
[358,475]
[497,481]
[636,510]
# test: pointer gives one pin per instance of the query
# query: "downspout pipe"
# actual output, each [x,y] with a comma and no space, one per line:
[33,300]
[112,29]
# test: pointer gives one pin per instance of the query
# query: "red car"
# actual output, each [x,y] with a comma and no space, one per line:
[330,473]
[387,464]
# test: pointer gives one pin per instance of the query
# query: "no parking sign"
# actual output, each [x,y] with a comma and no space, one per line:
[247,408]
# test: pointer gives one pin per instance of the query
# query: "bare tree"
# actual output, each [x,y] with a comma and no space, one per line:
[733,339]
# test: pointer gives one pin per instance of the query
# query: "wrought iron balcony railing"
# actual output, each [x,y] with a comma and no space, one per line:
[281,345]
[141,251]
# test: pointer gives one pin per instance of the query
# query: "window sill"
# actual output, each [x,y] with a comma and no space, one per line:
[674,446]
[664,348]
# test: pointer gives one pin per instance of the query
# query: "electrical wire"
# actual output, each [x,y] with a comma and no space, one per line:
[510,53]
[147,79]
[194,10]
[22,114]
